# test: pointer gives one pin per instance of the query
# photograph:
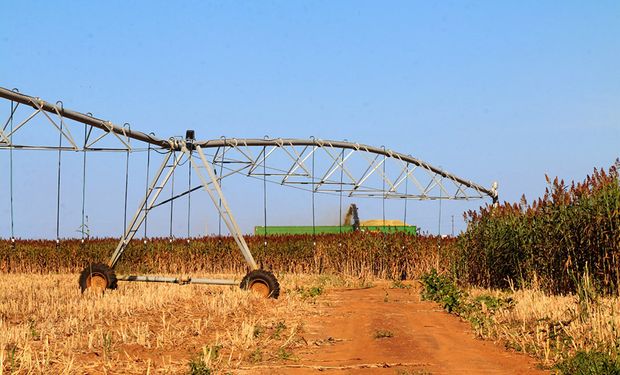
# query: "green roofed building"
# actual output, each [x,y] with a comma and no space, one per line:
[333,229]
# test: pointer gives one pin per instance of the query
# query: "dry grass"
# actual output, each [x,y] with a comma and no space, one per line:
[47,326]
[551,327]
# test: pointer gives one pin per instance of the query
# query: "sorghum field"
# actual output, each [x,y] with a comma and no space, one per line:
[540,278]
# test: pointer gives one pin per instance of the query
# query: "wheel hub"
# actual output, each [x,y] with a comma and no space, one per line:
[260,287]
[97,281]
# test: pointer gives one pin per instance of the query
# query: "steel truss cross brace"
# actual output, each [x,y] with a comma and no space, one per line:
[7,133]
[334,167]
[211,185]
[59,118]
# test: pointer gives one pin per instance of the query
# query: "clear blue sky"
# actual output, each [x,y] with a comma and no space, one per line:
[487,90]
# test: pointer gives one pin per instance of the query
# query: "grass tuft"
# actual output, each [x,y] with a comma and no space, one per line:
[590,363]
[383,334]
[197,366]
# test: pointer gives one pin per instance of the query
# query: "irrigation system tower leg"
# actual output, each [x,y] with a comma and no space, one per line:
[154,190]
[212,186]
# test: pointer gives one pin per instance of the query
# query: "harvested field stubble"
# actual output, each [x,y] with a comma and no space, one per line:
[553,328]
[47,326]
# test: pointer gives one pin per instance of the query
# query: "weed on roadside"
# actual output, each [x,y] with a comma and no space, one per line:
[258,331]
[256,356]
[311,292]
[284,354]
[397,284]
[278,329]
[383,334]
[365,283]
[197,366]
[590,363]
[441,289]
[413,372]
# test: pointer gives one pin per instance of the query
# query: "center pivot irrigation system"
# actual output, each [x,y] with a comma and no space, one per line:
[318,166]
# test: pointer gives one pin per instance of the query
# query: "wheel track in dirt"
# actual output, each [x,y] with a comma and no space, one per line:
[425,340]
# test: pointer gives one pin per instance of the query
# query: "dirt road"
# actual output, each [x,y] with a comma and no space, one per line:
[390,331]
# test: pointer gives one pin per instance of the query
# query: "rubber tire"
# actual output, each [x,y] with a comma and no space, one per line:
[99,269]
[265,277]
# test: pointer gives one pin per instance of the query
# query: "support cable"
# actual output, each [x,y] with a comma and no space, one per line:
[439,232]
[403,271]
[383,189]
[13,107]
[58,184]
[313,203]
[383,201]
[126,180]
[439,219]
[189,197]
[439,224]
[172,204]
[219,226]
[265,197]
[146,191]
[341,188]
[83,227]
[406,194]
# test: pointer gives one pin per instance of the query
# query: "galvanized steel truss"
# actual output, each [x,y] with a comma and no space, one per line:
[335,167]
[319,166]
